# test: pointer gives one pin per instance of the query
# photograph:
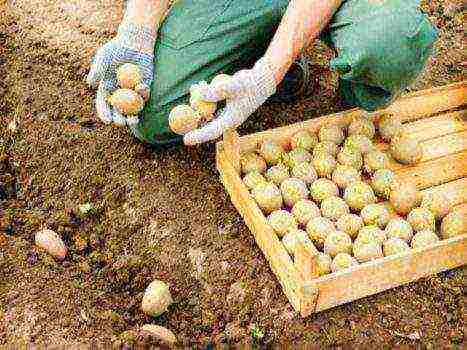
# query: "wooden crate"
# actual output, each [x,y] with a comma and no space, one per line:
[437,117]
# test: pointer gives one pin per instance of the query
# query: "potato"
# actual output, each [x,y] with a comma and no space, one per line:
[344,175]
[282,222]
[323,263]
[350,157]
[394,246]
[399,228]
[126,101]
[304,139]
[305,172]
[370,233]
[358,195]
[406,149]
[128,76]
[438,203]
[305,210]
[156,298]
[324,165]
[143,90]
[350,224]
[318,228]
[268,197]
[296,156]
[404,197]
[375,214]
[362,126]
[277,173]
[204,108]
[271,151]
[293,190]
[389,126]
[337,242]
[51,243]
[253,179]
[331,133]
[183,119]
[322,189]
[293,237]
[326,147]
[424,238]
[381,182]
[359,143]
[252,162]
[421,219]
[367,251]
[342,261]
[454,224]
[333,208]
[375,160]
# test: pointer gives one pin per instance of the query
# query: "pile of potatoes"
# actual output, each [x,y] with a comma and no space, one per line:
[333,191]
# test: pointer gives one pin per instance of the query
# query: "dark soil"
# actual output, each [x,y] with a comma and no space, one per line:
[153,210]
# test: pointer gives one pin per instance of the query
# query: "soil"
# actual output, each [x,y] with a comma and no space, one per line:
[163,214]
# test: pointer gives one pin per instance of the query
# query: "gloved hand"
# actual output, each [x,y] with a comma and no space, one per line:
[244,93]
[133,44]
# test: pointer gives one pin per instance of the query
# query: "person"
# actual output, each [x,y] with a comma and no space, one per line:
[381,46]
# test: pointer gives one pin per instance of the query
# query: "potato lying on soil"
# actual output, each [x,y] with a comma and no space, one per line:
[318,228]
[324,164]
[389,126]
[350,224]
[51,243]
[296,156]
[252,162]
[438,203]
[370,233]
[404,197]
[277,173]
[399,228]
[344,175]
[359,143]
[375,160]
[350,157]
[337,242]
[253,179]
[364,252]
[304,139]
[326,147]
[381,182]
[322,189]
[126,101]
[293,237]
[305,172]
[421,219]
[334,207]
[454,224]
[268,197]
[331,133]
[305,210]
[293,190]
[424,238]
[128,76]
[375,214]
[282,222]
[156,298]
[358,195]
[406,149]
[362,126]
[204,108]
[323,262]
[271,151]
[394,246]
[163,335]
[342,261]
[219,82]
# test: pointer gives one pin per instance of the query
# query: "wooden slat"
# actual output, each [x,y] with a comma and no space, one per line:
[278,258]
[232,148]
[461,208]
[377,276]
[436,171]
[408,108]
[456,191]
[442,124]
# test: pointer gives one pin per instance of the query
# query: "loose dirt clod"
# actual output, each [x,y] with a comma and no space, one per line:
[128,76]
[51,243]
[183,119]
[399,228]
[304,139]
[342,261]
[126,101]
[424,238]
[453,224]
[395,245]
[156,298]
[282,222]
[337,242]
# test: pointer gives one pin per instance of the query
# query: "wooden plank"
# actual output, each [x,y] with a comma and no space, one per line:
[408,108]
[442,124]
[435,172]
[376,276]
[456,191]
[305,262]
[278,258]
[232,148]
[461,208]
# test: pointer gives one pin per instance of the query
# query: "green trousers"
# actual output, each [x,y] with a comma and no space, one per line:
[381,47]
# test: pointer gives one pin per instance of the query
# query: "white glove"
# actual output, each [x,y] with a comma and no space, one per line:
[133,44]
[246,92]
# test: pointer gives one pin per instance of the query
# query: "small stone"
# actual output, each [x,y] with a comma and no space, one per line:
[156,299]
[160,333]
[51,243]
